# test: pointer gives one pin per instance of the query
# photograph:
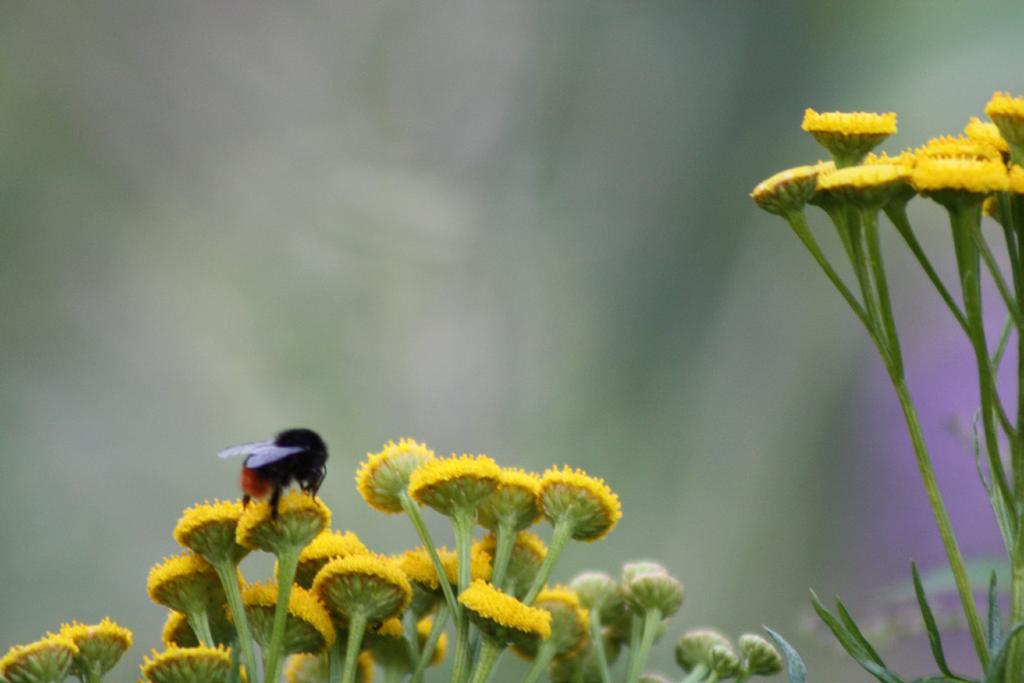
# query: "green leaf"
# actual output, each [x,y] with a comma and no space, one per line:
[855,644]
[997,670]
[855,631]
[995,622]
[794,664]
[934,638]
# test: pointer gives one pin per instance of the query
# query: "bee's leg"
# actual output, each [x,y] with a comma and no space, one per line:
[245,500]
[315,487]
[274,498]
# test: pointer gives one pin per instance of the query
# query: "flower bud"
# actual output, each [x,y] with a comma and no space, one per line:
[723,661]
[694,647]
[654,590]
[762,659]
[653,677]
[631,569]
[598,593]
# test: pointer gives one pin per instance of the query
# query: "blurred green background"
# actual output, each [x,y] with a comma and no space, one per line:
[519,228]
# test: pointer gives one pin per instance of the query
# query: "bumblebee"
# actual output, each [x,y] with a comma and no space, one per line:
[298,455]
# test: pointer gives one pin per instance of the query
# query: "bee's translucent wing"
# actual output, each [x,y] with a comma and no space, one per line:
[265,454]
[243,449]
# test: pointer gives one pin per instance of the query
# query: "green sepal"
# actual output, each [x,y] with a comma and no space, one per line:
[997,671]
[995,622]
[795,668]
[934,638]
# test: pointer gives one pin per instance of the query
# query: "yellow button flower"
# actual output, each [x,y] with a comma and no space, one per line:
[45,661]
[188,665]
[848,136]
[209,530]
[308,627]
[100,646]
[502,617]
[300,518]
[453,484]
[325,547]
[589,505]
[384,477]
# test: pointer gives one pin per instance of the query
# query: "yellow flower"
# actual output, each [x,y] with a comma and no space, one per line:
[423,628]
[45,661]
[789,190]
[308,627]
[455,483]
[904,158]
[982,131]
[586,502]
[1007,112]
[515,503]
[967,176]
[188,665]
[418,567]
[870,185]
[528,555]
[369,583]
[186,583]
[951,147]
[569,622]
[307,668]
[300,519]
[100,646]
[326,546]
[177,631]
[384,477]
[848,136]
[1016,179]
[502,617]
[209,530]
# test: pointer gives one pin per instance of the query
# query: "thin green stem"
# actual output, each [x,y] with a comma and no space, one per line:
[1016,654]
[636,632]
[861,264]
[505,541]
[997,276]
[696,674]
[898,216]
[200,623]
[559,537]
[462,521]
[427,652]
[356,629]
[798,222]
[597,640]
[949,541]
[545,653]
[490,650]
[229,580]
[963,221]
[652,619]
[420,525]
[335,661]
[286,564]
[873,255]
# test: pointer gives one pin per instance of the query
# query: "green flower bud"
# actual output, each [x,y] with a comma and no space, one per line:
[631,569]
[724,662]
[653,677]
[694,647]
[762,659]
[653,590]
[599,593]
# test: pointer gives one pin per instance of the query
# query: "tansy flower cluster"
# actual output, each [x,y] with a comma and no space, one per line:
[977,177]
[335,611]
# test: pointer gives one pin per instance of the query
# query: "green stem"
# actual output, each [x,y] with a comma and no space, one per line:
[335,660]
[949,542]
[356,629]
[881,285]
[286,563]
[798,222]
[597,640]
[559,537]
[427,653]
[898,216]
[505,541]
[963,221]
[200,623]
[1016,654]
[652,619]
[420,525]
[696,674]
[490,650]
[545,653]
[462,521]
[870,294]
[229,580]
[997,275]
[636,632]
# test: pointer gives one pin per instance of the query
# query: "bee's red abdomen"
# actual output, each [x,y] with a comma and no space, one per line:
[255,485]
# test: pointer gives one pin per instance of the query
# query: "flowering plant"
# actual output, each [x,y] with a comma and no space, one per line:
[977,174]
[338,612]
